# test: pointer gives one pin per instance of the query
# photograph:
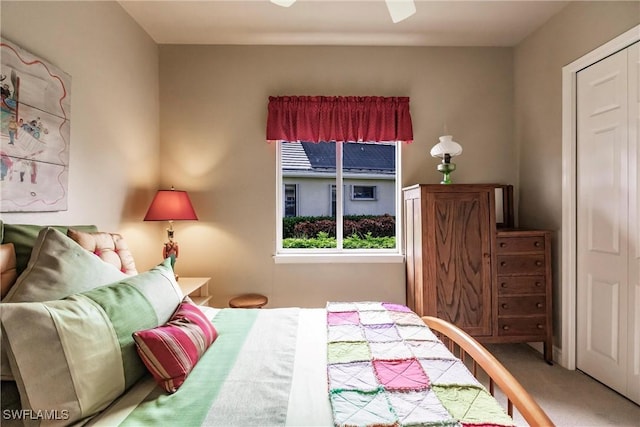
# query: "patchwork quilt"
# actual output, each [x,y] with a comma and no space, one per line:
[386,368]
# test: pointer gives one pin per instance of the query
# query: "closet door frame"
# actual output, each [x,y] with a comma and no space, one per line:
[568,262]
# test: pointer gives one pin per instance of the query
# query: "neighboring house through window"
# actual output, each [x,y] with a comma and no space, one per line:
[361,216]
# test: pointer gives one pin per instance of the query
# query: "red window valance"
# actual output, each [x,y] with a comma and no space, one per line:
[339,118]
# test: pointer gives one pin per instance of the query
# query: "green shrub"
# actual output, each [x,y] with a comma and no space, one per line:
[369,242]
[361,225]
[323,240]
[308,229]
[289,222]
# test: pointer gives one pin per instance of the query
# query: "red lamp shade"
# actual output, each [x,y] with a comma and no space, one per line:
[171,205]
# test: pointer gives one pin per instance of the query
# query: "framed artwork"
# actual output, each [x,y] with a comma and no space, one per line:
[34,132]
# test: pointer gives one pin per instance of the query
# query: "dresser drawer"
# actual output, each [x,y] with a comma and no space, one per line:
[516,285]
[520,244]
[521,326]
[521,264]
[529,305]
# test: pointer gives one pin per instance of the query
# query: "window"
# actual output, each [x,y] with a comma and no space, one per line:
[290,200]
[338,197]
[334,205]
[363,192]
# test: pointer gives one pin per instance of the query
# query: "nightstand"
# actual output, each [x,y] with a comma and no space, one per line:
[197,288]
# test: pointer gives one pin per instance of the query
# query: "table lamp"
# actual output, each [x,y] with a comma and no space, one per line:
[446,149]
[171,205]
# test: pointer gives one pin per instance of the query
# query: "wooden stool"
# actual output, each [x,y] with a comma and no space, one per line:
[248,301]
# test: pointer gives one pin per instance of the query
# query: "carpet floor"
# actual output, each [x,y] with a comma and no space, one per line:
[570,398]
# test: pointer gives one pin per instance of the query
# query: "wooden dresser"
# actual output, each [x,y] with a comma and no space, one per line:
[523,278]
[493,283]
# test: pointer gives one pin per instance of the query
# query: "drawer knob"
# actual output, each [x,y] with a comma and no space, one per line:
[503,284]
[503,244]
[505,327]
[503,263]
[540,326]
[539,263]
[505,306]
[538,284]
[539,305]
[536,244]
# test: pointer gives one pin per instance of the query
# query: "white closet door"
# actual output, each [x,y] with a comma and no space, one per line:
[602,221]
[634,223]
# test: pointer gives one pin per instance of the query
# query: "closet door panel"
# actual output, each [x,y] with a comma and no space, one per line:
[602,288]
[608,232]
[634,223]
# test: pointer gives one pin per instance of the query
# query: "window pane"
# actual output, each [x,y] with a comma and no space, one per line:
[309,179]
[363,192]
[314,192]
[290,200]
[369,172]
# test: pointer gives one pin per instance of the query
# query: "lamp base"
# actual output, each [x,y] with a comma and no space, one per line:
[446,169]
[171,250]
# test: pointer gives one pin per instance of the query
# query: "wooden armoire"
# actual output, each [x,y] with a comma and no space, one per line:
[468,266]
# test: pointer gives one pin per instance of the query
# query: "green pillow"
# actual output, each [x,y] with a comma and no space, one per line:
[86,355]
[23,237]
[58,267]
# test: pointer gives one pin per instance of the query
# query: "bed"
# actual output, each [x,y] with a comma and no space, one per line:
[281,378]
[346,364]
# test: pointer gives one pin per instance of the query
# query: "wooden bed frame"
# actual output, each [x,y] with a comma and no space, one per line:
[465,346]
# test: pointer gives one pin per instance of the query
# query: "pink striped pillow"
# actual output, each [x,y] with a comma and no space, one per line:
[170,351]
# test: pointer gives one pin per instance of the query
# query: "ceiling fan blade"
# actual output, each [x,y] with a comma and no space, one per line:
[283,3]
[400,9]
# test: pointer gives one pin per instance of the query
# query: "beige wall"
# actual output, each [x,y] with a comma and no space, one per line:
[575,31]
[503,105]
[114,160]
[213,118]
[213,113]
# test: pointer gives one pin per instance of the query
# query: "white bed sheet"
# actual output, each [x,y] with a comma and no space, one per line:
[308,399]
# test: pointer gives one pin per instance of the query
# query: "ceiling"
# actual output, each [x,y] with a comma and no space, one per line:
[340,22]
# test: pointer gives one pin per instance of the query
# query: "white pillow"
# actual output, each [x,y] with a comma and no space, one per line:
[86,355]
[58,267]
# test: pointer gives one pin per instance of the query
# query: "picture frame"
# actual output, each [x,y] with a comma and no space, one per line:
[35,127]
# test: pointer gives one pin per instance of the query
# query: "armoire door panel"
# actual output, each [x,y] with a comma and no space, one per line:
[462,274]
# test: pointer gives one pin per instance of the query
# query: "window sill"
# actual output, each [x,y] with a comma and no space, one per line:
[341,258]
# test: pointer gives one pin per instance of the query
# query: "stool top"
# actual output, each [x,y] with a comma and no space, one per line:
[248,301]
